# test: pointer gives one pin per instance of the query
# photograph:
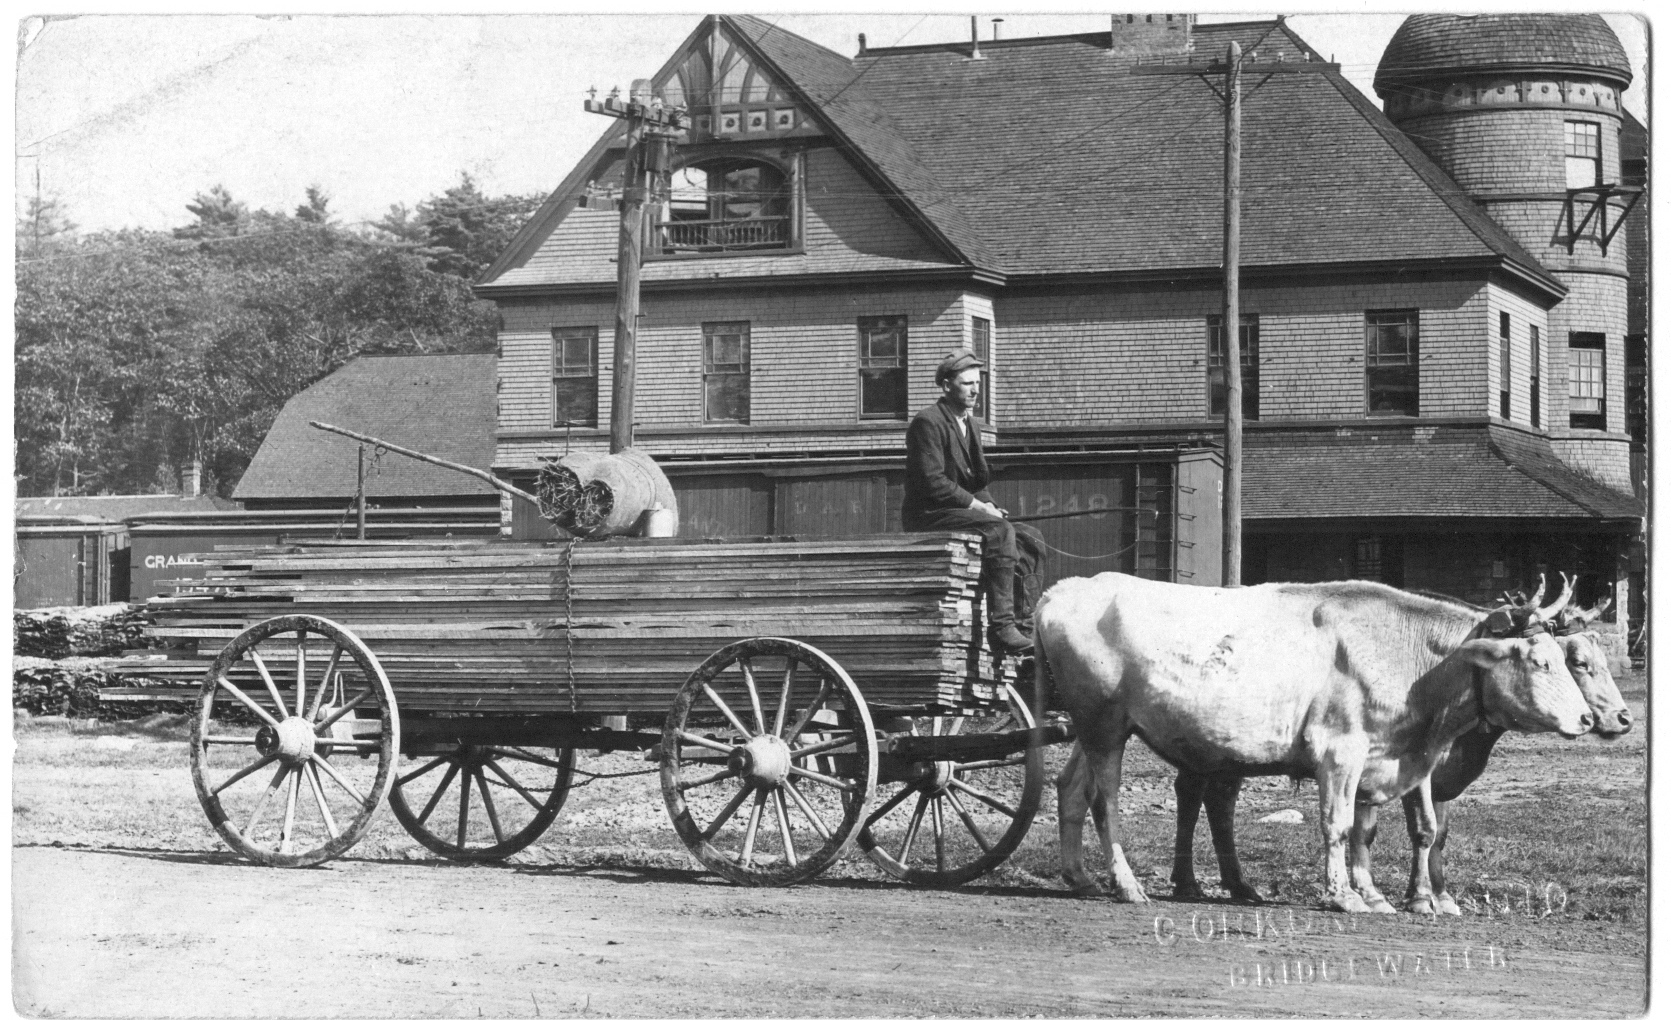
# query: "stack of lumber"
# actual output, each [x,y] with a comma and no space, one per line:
[487,626]
[63,631]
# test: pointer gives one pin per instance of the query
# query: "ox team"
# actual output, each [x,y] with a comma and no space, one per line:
[1373,692]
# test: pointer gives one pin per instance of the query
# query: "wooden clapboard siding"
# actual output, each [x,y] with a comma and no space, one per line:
[474,626]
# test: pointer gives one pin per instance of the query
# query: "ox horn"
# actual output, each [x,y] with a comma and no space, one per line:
[1550,611]
[1537,597]
[1594,613]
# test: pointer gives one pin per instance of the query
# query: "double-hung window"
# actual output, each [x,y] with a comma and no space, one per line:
[1503,365]
[980,334]
[725,374]
[1535,363]
[883,343]
[1392,363]
[1216,382]
[1587,380]
[574,376]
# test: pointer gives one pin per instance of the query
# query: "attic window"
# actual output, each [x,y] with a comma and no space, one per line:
[728,205]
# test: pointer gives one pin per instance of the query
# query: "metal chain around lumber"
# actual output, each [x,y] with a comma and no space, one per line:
[568,621]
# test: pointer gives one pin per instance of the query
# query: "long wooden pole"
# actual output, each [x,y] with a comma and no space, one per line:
[629,258]
[360,494]
[1232,320]
[427,459]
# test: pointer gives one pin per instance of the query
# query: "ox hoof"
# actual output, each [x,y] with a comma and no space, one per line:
[1419,905]
[1447,906]
[1187,891]
[1086,888]
[1347,903]
[1380,906]
[1128,892]
[1243,893]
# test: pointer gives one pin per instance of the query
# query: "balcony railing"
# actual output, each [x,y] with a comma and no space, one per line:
[762,232]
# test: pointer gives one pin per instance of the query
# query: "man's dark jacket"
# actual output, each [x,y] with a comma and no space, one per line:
[944,469]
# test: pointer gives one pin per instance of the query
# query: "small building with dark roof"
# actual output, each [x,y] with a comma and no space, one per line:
[830,225]
[440,404]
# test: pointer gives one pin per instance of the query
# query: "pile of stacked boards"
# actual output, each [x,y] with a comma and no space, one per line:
[606,627]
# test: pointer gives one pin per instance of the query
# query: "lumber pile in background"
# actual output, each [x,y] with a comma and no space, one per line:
[59,632]
[486,626]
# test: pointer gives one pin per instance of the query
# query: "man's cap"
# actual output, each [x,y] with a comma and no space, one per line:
[956,361]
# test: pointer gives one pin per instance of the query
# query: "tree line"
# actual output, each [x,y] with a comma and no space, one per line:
[140,351]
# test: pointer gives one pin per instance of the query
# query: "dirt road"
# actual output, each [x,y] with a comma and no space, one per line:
[167,933]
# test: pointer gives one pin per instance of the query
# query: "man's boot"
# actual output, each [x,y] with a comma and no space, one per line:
[1000,600]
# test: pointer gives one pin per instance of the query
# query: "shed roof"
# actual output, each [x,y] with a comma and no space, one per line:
[440,404]
[1048,157]
[1436,472]
[117,508]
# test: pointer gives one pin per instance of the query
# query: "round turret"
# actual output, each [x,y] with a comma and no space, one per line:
[1524,112]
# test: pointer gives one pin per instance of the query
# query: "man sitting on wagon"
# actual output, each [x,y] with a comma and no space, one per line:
[946,476]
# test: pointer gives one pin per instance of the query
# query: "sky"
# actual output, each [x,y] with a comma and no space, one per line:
[123,119]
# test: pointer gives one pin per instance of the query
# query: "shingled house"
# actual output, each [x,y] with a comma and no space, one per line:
[833,224]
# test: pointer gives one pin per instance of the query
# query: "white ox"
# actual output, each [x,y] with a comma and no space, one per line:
[1311,681]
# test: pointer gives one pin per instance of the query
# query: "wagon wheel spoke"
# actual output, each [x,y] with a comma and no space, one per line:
[699,740]
[248,741]
[812,709]
[434,763]
[807,809]
[723,774]
[528,756]
[754,811]
[753,696]
[895,801]
[318,789]
[939,835]
[511,782]
[261,801]
[330,770]
[725,710]
[342,710]
[726,813]
[911,830]
[824,746]
[290,810]
[248,702]
[783,827]
[429,808]
[969,822]
[487,806]
[846,786]
[783,698]
[464,806]
[991,802]
[256,766]
[325,683]
[302,674]
[267,678]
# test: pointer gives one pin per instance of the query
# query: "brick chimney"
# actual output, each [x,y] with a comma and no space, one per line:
[1150,36]
[191,479]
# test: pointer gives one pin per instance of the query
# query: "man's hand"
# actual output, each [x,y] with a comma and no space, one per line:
[987,508]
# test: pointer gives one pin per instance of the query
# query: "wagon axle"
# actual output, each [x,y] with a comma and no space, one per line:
[291,741]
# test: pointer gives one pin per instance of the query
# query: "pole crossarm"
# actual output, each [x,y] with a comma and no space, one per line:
[651,115]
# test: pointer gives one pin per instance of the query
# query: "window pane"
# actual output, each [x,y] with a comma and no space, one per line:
[725,350]
[1392,362]
[981,334]
[1586,381]
[577,355]
[1582,172]
[575,401]
[727,397]
[1216,382]
[882,393]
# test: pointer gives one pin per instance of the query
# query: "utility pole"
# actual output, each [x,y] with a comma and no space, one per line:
[1231,321]
[649,125]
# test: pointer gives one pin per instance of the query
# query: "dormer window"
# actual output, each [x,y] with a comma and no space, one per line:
[728,204]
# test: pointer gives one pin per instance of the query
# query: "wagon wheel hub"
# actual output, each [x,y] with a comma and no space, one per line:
[939,776]
[291,740]
[764,760]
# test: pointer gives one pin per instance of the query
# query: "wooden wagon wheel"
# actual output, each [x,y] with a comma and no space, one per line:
[943,823]
[323,747]
[458,814]
[736,761]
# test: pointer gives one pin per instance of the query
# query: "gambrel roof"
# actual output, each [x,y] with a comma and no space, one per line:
[1048,157]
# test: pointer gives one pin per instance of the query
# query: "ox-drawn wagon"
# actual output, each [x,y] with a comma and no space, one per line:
[795,695]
